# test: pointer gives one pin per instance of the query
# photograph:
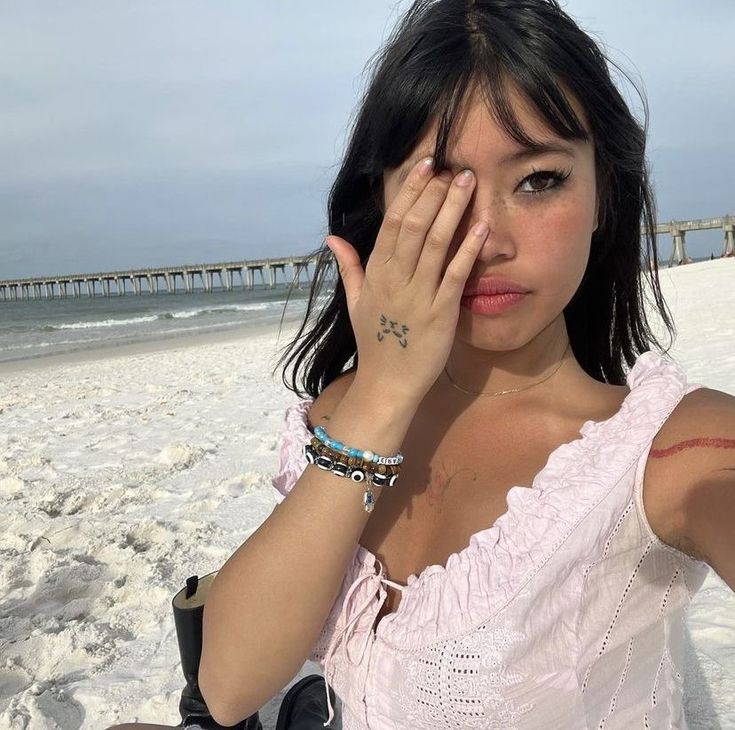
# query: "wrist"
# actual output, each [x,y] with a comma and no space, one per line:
[391,400]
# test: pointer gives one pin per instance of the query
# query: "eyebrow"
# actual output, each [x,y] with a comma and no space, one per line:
[522,154]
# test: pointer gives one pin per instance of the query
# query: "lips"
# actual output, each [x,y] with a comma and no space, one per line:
[490,285]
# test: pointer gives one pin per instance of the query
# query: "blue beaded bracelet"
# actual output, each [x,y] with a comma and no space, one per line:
[367,455]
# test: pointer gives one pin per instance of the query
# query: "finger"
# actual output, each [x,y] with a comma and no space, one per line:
[433,253]
[350,267]
[414,185]
[418,222]
[459,268]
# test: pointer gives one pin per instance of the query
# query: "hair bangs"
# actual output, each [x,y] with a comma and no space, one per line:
[539,88]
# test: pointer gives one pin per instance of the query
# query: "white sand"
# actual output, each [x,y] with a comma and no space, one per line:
[122,476]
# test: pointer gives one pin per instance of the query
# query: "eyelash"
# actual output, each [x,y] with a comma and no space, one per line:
[558,176]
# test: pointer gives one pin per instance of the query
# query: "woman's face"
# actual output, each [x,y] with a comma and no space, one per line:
[541,240]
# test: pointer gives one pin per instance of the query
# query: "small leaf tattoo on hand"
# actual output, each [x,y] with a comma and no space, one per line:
[390,329]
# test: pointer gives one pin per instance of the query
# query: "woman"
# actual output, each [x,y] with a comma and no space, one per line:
[551,514]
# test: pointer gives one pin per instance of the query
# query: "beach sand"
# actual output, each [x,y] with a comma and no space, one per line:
[122,473]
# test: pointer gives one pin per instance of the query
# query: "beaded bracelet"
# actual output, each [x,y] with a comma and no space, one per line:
[367,455]
[353,467]
[356,463]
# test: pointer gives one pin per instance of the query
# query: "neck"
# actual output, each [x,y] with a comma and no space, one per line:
[494,371]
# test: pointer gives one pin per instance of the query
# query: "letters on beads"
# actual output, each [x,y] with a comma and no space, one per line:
[351,467]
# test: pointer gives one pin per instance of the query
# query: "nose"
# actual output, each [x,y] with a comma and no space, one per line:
[484,206]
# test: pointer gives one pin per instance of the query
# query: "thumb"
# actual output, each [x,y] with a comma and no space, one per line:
[350,267]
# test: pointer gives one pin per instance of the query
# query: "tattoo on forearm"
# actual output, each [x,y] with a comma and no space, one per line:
[716,443]
[387,326]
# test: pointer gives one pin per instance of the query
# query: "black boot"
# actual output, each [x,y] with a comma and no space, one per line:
[188,606]
[304,706]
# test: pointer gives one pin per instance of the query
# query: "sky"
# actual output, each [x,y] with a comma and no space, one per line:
[169,132]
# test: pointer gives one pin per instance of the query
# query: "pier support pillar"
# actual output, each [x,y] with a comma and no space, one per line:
[679,252]
[729,247]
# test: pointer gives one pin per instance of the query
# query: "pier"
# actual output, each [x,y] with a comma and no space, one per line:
[678,230]
[227,275]
[230,274]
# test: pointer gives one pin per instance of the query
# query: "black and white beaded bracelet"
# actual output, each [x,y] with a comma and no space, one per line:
[355,473]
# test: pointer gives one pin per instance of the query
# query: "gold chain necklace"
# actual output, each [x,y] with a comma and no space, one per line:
[513,390]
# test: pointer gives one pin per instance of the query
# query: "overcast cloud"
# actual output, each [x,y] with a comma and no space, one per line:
[171,131]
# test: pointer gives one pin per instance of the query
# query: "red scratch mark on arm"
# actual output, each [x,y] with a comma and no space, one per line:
[716,443]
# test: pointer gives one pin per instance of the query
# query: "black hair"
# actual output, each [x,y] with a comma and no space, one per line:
[436,52]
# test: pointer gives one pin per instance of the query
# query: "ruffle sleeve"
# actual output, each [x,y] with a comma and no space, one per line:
[292,436]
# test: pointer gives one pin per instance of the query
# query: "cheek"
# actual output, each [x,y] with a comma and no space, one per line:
[563,251]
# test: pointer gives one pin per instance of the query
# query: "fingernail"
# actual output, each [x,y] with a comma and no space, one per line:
[464,178]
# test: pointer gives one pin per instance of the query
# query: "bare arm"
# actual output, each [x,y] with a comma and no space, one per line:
[270,600]
[693,509]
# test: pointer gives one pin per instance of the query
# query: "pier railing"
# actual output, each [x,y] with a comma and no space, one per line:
[225,275]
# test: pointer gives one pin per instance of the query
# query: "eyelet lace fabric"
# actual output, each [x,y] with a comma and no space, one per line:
[566,612]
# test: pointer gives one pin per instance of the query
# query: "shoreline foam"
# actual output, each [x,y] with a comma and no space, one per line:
[141,347]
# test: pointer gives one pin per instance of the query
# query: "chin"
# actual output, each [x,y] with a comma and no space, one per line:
[485,334]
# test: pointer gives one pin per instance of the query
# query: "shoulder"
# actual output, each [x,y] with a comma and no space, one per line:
[699,433]
[694,447]
[326,402]
[318,413]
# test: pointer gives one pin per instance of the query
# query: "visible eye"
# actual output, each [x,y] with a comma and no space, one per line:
[558,178]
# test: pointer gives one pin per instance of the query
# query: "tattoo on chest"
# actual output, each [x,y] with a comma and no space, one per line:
[389,326]
[438,486]
[710,443]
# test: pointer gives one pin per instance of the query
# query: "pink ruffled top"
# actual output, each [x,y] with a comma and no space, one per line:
[566,612]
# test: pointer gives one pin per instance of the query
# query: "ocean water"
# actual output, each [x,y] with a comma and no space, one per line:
[37,328]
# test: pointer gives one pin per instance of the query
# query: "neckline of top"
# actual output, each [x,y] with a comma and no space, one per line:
[646,362]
